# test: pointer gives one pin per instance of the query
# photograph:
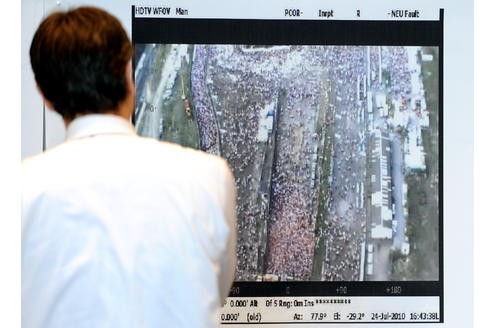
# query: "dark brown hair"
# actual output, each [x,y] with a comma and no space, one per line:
[79,59]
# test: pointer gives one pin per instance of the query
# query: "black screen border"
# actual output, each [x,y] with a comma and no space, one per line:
[315,32]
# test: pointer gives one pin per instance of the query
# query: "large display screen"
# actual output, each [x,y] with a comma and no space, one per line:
[333,133]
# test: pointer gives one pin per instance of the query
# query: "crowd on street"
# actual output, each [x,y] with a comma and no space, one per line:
[232,87]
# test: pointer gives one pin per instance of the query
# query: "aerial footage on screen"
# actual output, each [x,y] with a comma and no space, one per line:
[334,149]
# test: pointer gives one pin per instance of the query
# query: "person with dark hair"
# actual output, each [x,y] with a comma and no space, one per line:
[117,230]
[78,68]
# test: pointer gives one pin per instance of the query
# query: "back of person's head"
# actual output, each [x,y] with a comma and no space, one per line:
[79,61]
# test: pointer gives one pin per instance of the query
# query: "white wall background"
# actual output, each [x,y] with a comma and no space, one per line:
[31,104]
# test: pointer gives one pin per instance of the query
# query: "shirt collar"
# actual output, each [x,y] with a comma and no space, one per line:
[98,124]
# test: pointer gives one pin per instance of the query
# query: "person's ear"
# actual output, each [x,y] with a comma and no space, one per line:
[129,78]
[127,107]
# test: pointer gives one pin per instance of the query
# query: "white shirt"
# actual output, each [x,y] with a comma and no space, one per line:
[124,231]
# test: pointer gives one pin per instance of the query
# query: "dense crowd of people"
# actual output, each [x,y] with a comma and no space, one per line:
[347,217]
[237,116]
[205,117]
[232,87]
[400,76]
[261,76]
[291,239]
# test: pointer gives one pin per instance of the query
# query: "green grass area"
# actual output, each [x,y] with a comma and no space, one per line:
[423,194]
[177,126]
